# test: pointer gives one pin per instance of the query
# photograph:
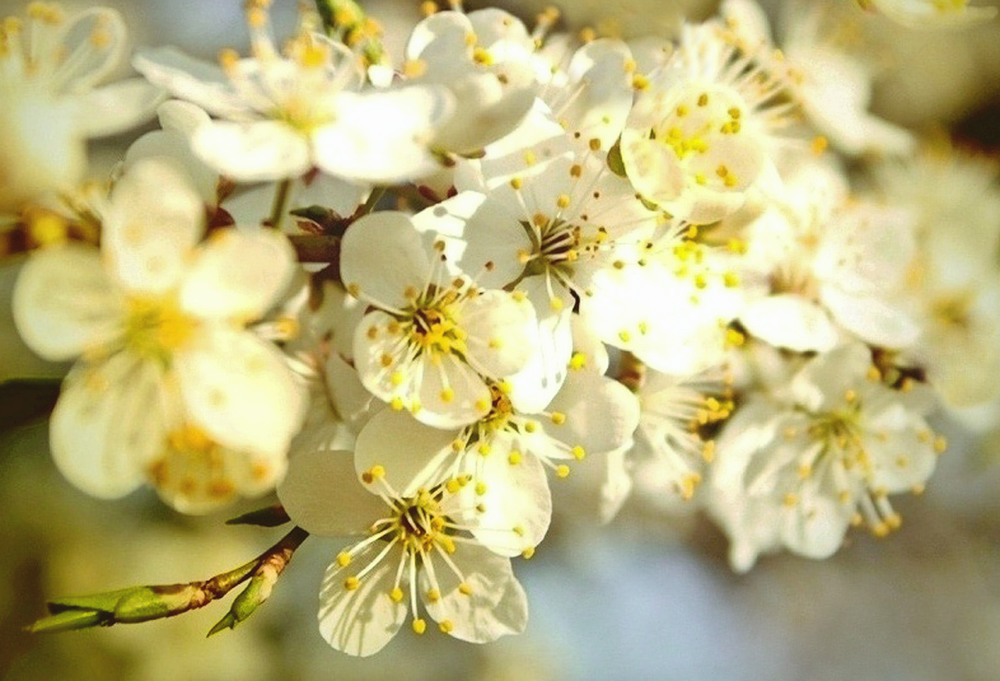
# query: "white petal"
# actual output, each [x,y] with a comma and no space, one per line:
[240,390]
[200,82]
[383,136]
[870,318]
[117,107]
[538,381]
[413,455]
[480,237]
[360,621]
[787,320]
[381,258]
[500,329]
[601,413]
[108,425]
[468,398]
[253,151]
[496,605]
[322,494]
[64,302]
[238,274]
[154,221]
[515,507]
[169,146]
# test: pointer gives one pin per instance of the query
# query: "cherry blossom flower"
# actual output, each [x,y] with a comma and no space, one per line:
[794,470]
[432,337]
[167,367]
[412,550]
[51,65]
[282,114]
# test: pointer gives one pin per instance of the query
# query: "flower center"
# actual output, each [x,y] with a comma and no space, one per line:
[434,328]
[156,328]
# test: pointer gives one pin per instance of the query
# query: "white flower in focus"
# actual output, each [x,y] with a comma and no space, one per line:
[50,102]
[703,129]
[930,13]
[432,337]
[152,313]
[796,470]
[412,550]
[282,114]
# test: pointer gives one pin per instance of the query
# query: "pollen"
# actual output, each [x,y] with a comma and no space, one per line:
[343,559]
[352,583]
[562,471]
[419,626]
[396,594]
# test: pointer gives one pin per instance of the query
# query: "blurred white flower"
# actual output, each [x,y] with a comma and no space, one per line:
[167,370]
[282,114]
[50,102]
[930,13]
[796,469]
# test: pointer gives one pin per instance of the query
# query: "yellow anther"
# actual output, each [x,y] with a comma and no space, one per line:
[703,99]
[578,360]
[396,594]
[480,488]
[880,530]
[414,68]
[579,452]
[419,626]
[940,444]
[594,144]
[514,458]
[558,418]
[562,470]
[850,395]
[433,595]
[481,56]
[640,82]
[343,559]
[447,395]
[528,553]
[352,583]
[453,486]
[396,403]
[377,471]
[894,521]
[563,201]
[484,448]
[731,279]
[428,8]
[530,426]
[465,589]
[819,145]
[396,378]
[624,336]
[530,158]
[790,499]
[446,626]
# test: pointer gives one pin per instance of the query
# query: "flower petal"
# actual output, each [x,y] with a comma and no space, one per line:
[413,455]
[238,274]
[322,494]
[240,390]
[362,620]
[253,151]
[382,258]
[65,302]
[154,221]
[492,605]
[108,425]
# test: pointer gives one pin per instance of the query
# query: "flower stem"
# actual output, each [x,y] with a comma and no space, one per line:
[281,196]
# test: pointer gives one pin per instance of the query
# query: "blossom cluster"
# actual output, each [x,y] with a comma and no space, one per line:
[411,295]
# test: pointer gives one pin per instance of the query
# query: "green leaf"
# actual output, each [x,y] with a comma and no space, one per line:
[69,620]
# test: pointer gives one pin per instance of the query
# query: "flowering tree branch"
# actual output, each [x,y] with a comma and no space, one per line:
[144,603]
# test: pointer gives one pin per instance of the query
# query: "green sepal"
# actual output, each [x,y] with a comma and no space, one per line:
[615,162]
[270,516]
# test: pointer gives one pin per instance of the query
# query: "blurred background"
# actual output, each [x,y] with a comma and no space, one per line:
[648,597]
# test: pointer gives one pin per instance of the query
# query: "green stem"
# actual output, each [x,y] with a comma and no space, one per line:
[281,195]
